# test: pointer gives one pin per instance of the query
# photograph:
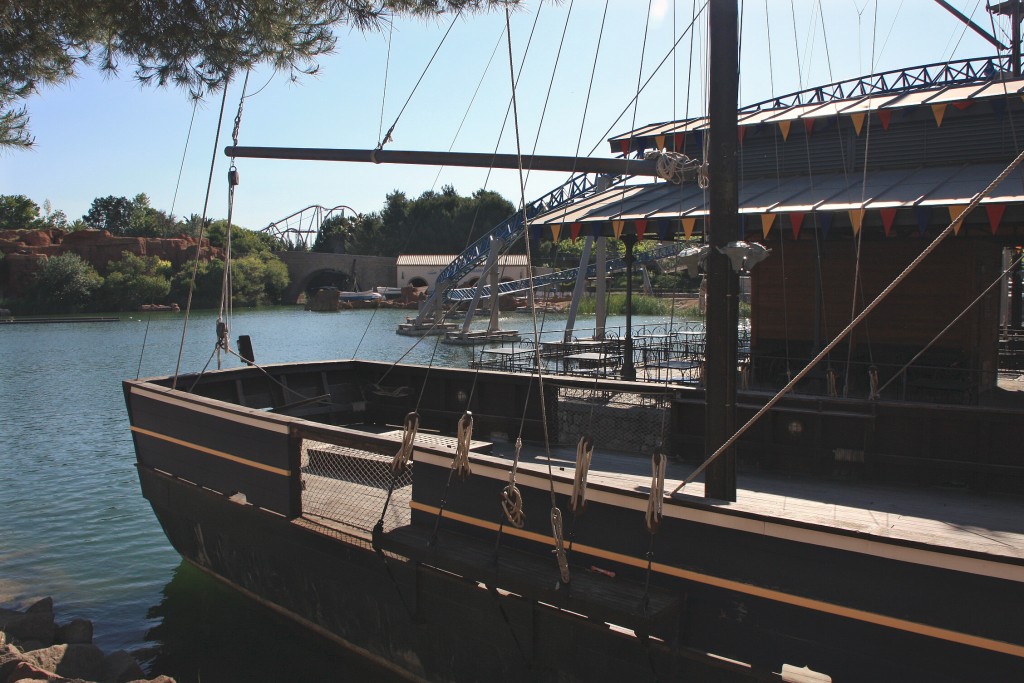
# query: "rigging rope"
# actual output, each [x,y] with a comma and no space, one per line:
[409,428]
[654,502]
[511,498]
[863,314]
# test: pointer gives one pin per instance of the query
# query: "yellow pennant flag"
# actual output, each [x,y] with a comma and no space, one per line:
[659,141]
[856,219]
[956,212]
[938,111]
[767,220]
[617,228]
[858,122]
[688,224]
[784,127]
[555,229]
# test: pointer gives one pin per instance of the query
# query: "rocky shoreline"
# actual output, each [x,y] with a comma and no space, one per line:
[34,647]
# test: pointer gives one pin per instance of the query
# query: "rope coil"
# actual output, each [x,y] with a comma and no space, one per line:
[676,167]
[409,428]
[511,498]
[465,436]
[584,453]
[654,504]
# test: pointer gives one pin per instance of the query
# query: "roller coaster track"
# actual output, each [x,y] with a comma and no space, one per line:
[569,275]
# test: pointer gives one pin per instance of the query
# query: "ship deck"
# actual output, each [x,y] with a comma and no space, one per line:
[939,517]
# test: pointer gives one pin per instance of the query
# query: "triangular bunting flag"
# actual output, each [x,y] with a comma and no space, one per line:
[938,111]
[924,216]
[742,132]
[784,128]
[809,126]
[885,116]
[824,221]
[856,219]
[858,122]
[796,220]
[574,230]
[955,213]
[688,224]
[678,141]
[767,220]
[641,228]
[659,141]
[555,230]
[617,228]
[888,217]
[963,104]
[995,215]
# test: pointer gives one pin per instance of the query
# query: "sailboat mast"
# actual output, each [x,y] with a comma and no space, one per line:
[723,283]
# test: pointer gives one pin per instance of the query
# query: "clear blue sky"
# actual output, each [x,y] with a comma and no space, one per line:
[101,136]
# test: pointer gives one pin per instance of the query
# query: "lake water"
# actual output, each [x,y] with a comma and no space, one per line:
[74,526]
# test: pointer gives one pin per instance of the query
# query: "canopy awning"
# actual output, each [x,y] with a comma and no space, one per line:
[902,197]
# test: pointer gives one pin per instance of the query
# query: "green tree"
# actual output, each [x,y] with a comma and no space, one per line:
[206,293]
[258,279]
[65,284]
[133,281]
[110,213]
[192,44]
[243,241]
[17,212]
[149,222]
[333,235]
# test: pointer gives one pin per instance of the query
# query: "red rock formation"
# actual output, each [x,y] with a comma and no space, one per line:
[25,251]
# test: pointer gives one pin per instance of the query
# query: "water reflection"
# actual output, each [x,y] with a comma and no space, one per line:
[207,631]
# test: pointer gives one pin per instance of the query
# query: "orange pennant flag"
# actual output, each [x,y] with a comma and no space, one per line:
[784,127]
[659,141]
[858,122]
[767,220]
[995,215]
[938,111]
[956,213]
[796,219]
[574,230]
[888,217]
[688,224]
[617,228]
[641,227]
[555,229]
[856,219]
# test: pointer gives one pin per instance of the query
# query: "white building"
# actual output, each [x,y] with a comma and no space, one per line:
[421,270]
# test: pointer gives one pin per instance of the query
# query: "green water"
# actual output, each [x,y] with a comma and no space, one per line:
[74,526]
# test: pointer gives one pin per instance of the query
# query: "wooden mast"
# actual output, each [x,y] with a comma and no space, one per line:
[723,283]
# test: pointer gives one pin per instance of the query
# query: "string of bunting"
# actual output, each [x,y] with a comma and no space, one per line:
[668,228]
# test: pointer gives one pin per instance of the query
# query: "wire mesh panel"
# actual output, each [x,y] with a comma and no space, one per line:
[616,420]
[350,486]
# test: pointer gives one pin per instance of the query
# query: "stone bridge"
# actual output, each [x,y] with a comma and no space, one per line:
[349,272]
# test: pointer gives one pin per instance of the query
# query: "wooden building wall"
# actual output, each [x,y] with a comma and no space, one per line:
[783,304]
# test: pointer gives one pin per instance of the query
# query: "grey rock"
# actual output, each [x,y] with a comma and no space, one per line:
[10,657]
[77,631]
[41,606]
[37,626]
[72,661]
[120,667]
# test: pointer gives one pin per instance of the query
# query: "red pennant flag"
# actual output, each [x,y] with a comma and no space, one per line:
[574,231]
[678,140]
[888,216]
[963,104]
[742,132]
[641,228]
[796,219]
[995,215]
[885,116]
[809,126]
[624,146]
